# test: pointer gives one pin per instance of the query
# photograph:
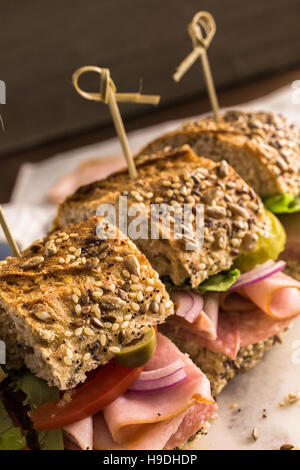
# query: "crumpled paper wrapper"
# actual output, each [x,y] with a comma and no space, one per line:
[27,222]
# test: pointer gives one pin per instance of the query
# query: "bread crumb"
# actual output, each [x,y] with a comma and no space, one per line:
[255,433]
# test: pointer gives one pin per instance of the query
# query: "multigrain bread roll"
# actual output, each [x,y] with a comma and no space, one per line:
[72,301]
[234,214]
[264,148]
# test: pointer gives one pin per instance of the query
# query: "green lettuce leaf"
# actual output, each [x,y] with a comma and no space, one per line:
[282,203]
[38,392]
[219,282]
[51,440]
[11,438]
[5,421]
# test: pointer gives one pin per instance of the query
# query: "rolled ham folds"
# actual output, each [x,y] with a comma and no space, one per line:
[157,420]
[278,296]
[80,434]
[248,316]
[237,330]
[235,302]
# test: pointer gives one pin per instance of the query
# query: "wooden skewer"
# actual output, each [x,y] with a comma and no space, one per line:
[1,123]
[109,96]
[10,239]
[210,86]
[115,113]
[206,21]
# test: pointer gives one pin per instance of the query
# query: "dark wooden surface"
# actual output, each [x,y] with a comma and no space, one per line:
[9,165]
[42,42]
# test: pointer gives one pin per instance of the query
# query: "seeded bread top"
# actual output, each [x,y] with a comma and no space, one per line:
[273,142]
[233,214]
[75,300]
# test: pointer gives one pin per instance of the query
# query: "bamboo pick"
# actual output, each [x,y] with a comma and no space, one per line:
[108,94]
[201,43]
[6,230]
[10,239]
[1,123]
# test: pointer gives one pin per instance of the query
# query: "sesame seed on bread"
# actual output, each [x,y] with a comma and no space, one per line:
[233,214]
[263,147]
[73,300]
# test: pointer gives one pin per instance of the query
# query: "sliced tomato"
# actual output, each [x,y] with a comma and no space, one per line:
[107,385]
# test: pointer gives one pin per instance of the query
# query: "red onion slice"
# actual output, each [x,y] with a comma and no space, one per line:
[162,372]
[159,384]
[211,311]
[258,274]
[183,301]
[192,315]
[189,304]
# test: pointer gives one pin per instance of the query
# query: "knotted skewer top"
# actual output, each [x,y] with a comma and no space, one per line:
[108,95]
[203,22]
[107,84]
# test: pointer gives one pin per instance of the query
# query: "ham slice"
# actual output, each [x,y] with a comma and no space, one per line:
[154,435]
[256,326]
[253,314]
[81,433]
[85,173]
[234,302]
[278,296]
[193,420]
[174,432]
[235,330]
[150,420]
[228,335]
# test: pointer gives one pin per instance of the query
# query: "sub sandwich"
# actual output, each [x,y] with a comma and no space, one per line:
[232,300]
[86,367]
[264,148]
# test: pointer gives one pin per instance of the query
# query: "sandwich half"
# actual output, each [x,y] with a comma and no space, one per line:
[220,322]
[79,316]
[264,148]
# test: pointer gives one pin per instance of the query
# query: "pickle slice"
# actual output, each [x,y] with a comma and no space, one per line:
[267,248]
[138,353]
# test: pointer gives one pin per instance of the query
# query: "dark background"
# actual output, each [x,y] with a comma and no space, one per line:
[43,42]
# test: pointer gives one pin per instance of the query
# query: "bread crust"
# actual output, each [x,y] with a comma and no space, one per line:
[72,299]
[233,213]
[264,148]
